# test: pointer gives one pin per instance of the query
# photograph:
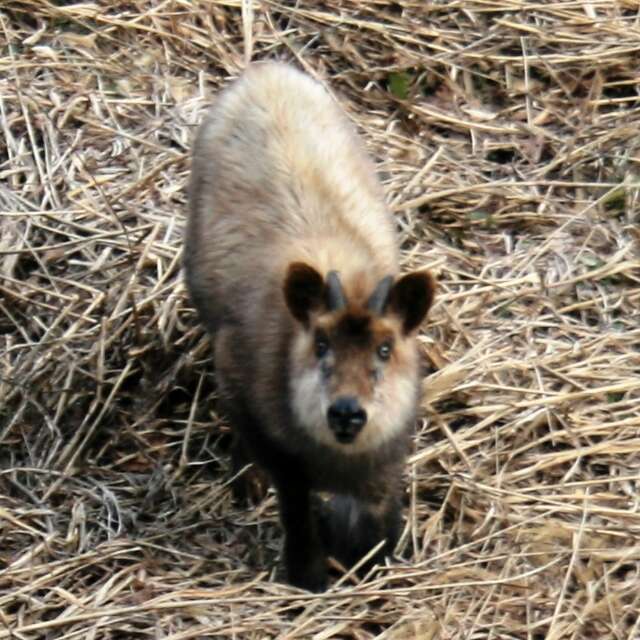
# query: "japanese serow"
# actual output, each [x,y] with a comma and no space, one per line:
[291,261]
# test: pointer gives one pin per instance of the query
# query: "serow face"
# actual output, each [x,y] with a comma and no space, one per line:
[353,363]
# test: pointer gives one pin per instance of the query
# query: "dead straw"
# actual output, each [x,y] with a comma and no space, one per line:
[507,135]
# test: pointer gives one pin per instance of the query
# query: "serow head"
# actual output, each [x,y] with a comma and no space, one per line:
[353,363]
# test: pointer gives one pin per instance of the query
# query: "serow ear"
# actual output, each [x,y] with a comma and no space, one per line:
[303,290]
[411,297]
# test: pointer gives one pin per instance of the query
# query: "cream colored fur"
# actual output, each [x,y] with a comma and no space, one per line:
[279,176]
[282,178]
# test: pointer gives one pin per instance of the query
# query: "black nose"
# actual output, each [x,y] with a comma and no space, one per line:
[346,418]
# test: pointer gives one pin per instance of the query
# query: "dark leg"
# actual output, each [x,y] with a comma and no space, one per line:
[381,521]
[303,550]
[251,485]
[350,528]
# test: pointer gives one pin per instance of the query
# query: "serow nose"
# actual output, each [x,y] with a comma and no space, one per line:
[346,418]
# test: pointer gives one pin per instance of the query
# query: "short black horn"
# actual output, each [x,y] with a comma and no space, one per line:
[378,299]
[335,294]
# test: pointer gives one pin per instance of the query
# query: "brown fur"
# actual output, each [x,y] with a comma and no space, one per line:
[281,194]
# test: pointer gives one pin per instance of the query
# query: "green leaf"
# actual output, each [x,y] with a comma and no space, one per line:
[482,216]
[399,84]
[616,199]
[503,310]
[592,262]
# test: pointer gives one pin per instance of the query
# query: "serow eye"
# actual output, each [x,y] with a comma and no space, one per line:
[321,345]
[384,351]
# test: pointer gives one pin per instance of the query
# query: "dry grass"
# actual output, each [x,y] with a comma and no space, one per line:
[509,137]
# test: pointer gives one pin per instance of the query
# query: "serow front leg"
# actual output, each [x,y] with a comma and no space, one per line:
[249,486]
[304,553]
[351,528]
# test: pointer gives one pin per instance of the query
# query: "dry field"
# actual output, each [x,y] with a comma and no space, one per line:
[507,134]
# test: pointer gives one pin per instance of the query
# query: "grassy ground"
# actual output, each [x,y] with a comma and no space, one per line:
[508,137]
